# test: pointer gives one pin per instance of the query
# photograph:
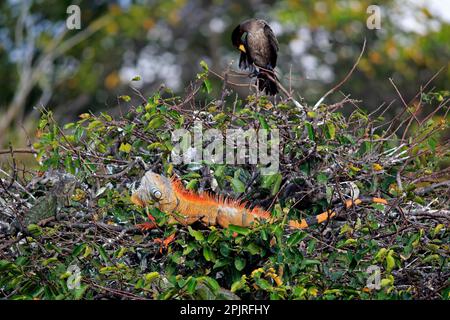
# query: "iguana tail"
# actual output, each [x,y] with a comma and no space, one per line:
[327,215]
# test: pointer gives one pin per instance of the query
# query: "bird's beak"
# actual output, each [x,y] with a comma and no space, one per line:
[242,48]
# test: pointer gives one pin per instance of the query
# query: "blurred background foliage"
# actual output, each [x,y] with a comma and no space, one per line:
[42,63]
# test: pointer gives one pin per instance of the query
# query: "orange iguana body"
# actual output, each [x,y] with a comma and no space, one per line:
[169,196]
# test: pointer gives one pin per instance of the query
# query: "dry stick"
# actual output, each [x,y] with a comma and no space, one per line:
[403,101]
[18,185]
[427,84]
[386,109]
[139,94]
[376,110]
[290,78]
[14,167]
[269,75]
[116,292]
[441,105]
[118,174]
[381,114]
[430,115]
[343,80]
[20,150]
[433,213]
[398,116]
[428,189]
[228,81]
[411,120]
[432,177]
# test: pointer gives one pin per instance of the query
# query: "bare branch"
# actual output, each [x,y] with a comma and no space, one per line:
[343,80]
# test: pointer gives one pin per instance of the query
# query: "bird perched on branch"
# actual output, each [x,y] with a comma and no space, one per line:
[258,46]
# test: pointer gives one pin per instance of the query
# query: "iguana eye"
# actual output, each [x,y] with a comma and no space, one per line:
[156,193]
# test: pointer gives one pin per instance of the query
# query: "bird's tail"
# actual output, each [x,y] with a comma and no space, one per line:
[265,82]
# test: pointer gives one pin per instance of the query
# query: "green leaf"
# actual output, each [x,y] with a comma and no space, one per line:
[96,124]
[295,238]
[272,182]
[206,86]
[48,261]
[310,130]
[237,285]
[322,178]
[191,285]
[390,261]
[106,116]
[21,261]
[191,175]
[238,229]
[34,229]
[42,123]
[224,249]
[69,126]
[239,263]
[350,242]
[190,246]
[237,185]
[6,265]
[156,145]
[263,122]
[102,253]
[87,252]
[378,206]
[437,229]
[264,284]
[156,123]
[432,143]
[77,250]
[308,262]
[208,254]
[192,185]
[331,131]
[196,234]
[78,293]
[432,257]
[102,202]
[380,254]
[149,277]
[125,147]
[204,65]
[212,283]
[125,98]
[220,117]
[387,281]
[253,248]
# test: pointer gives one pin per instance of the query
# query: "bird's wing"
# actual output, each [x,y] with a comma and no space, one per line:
[273,44]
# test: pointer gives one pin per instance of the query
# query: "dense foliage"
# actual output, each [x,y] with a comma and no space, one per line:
[75,213]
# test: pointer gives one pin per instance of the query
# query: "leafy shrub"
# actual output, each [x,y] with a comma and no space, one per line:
[322,153]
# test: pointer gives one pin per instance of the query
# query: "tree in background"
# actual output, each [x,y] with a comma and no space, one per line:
[71,71]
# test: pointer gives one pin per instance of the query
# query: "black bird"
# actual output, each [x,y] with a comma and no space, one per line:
[258,46]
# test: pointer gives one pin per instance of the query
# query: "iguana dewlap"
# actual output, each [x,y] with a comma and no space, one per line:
[169,196]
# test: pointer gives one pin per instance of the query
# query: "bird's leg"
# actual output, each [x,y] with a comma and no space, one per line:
[253,74]
[253,71]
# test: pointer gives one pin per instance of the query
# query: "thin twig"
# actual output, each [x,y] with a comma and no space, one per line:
[343,80]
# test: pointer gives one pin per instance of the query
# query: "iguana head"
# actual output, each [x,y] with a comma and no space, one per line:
[154,191]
